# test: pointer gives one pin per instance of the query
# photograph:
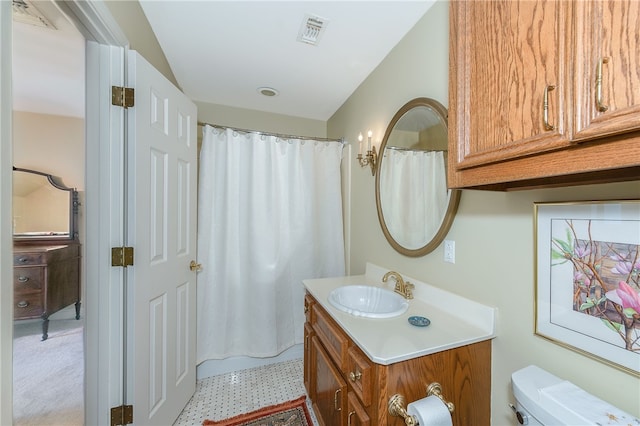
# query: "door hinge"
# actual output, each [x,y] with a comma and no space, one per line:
[122,96]
[122,415]
[122,256]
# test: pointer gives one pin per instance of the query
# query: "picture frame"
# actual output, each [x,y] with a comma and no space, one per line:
[587,279]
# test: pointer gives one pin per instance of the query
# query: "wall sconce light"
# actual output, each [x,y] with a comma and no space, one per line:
[371,158]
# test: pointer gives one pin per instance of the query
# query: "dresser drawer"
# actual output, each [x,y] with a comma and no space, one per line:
[27,306]
[28,258]
[27,280]
[331,336]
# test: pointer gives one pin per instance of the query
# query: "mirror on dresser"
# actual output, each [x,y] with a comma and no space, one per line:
[46,251]
[43,207]
[415,208]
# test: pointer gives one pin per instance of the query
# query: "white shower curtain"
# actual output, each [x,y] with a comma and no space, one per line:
[269,216]
[414,190]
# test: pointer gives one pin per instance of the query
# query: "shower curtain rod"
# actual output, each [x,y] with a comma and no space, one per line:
[398,148]
[278,135]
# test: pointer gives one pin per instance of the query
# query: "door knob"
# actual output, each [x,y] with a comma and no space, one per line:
[196,267]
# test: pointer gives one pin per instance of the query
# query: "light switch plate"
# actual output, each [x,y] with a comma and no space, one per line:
[450,251]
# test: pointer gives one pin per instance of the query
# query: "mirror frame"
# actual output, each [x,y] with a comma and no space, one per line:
[73,212]
[454,194]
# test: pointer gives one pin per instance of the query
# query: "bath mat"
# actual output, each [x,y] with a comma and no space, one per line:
[291,413]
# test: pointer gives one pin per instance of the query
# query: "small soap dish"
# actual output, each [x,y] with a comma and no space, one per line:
[419,321]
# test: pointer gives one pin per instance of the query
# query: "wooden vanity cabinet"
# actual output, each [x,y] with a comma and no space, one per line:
[348,388]
[523,100]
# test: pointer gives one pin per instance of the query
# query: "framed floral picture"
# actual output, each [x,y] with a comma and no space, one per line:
[588,279]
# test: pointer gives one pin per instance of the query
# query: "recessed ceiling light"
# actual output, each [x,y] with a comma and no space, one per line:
[268,91]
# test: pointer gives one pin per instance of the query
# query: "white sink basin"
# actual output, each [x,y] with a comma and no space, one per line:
[368,301]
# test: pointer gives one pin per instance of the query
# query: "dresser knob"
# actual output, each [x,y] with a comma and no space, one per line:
[355,376]
[23,259]
[23,279]
[22,304]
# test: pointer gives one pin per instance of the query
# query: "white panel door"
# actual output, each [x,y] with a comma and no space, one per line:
[162,167]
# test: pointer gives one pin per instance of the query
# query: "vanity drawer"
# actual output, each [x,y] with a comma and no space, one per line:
[361,375]
[27,306]
[331,336]
[27,280]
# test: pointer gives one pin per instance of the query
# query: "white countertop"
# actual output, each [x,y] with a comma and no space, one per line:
[455,320]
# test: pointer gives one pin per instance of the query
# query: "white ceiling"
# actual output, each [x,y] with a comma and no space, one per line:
[221,52]
[48,66]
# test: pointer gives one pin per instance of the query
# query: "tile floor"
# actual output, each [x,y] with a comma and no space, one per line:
[227,395]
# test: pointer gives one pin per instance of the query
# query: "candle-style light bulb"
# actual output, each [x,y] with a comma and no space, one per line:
[360,143]
[369,134]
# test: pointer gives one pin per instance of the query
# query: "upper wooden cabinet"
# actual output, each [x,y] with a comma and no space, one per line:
[529,83]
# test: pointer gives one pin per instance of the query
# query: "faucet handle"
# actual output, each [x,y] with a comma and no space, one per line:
[408,289]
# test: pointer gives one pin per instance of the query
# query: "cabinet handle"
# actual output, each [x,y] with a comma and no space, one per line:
[351,413]
[23,279]
[335,400]
[599,104]
[306,308]
[355,376]
[545,107]
[22,304]
[23,259]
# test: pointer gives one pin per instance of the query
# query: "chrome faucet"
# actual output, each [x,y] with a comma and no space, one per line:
[405,289]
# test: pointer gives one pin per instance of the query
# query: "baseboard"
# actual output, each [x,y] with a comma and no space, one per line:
[214,367]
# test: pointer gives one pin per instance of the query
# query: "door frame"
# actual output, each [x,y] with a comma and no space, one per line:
[104,135]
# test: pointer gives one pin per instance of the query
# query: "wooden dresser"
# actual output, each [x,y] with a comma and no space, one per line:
[46,278]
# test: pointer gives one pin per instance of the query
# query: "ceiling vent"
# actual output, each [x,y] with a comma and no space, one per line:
[24,11]
[312,29]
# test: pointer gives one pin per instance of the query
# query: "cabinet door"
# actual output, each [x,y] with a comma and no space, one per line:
[330,389]
[607,57]
[505,58]
[357,415]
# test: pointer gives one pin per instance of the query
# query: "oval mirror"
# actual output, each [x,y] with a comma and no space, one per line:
[415,208]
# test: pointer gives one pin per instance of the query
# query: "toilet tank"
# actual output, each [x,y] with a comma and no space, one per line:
[544,399]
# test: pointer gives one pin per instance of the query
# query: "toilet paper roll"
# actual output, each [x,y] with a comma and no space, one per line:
[430,411]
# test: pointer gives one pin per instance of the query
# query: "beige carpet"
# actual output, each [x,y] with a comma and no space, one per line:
[48,376]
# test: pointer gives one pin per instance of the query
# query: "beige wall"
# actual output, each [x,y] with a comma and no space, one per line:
[493,231]
[50,143]
[259,120]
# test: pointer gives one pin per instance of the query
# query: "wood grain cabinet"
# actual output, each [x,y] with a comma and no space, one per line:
[349,389]
[543,93]
[46,280]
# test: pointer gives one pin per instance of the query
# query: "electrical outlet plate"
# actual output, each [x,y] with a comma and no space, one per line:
[449,251]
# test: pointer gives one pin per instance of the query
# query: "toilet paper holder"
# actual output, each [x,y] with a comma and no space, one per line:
[397,404]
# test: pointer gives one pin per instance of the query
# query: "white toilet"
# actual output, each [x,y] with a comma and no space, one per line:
[544,399]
